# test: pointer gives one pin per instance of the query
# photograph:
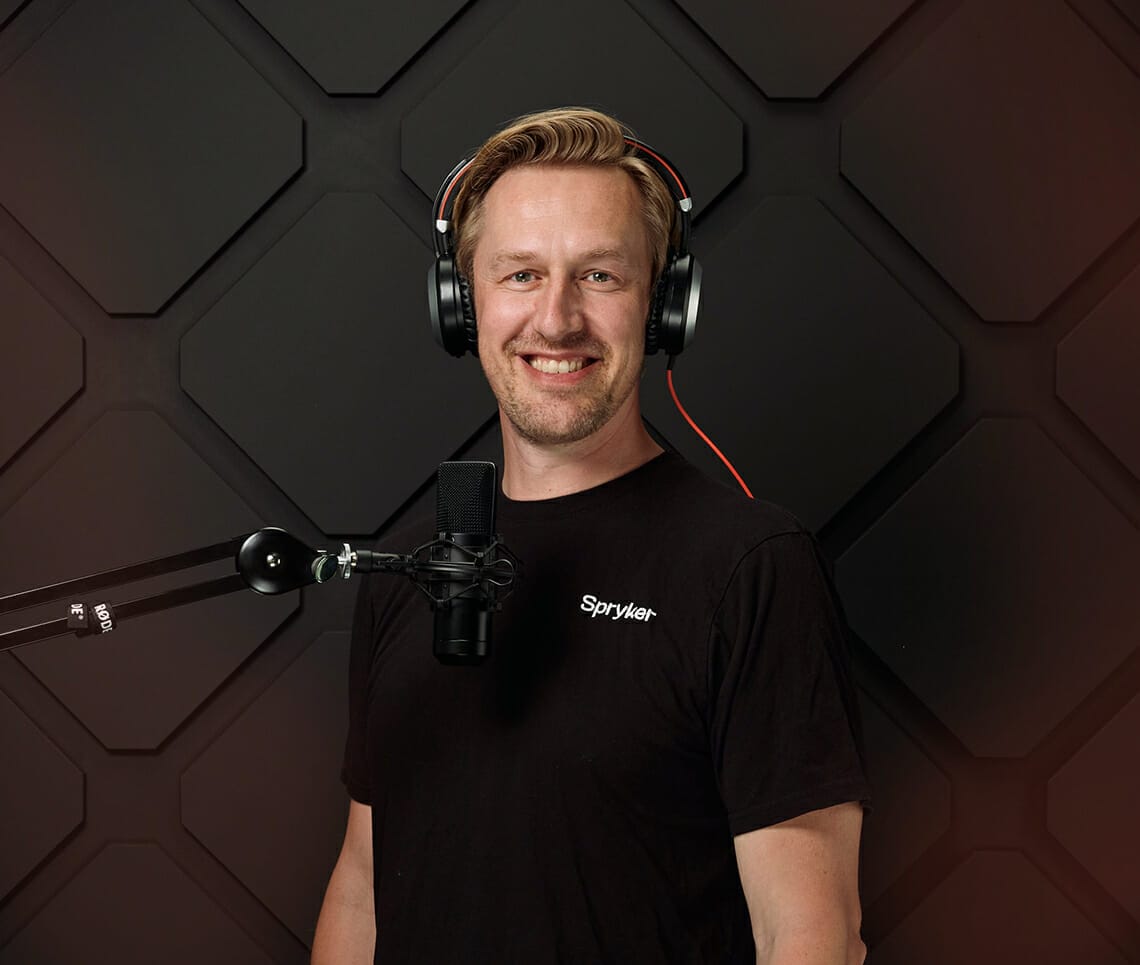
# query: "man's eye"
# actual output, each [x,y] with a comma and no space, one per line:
[600,276]
[522,277]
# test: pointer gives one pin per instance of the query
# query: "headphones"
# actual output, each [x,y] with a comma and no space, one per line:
[672,307]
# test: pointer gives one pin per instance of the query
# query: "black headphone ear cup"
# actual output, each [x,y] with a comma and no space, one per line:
[679,302]
[446,306]
[467,307]
[673,309]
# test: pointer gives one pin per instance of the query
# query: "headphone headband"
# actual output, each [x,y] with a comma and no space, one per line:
[443,236]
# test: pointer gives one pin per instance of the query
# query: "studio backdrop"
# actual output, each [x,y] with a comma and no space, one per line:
[919,331]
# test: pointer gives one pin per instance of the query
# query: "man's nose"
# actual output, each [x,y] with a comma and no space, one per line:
[559,311]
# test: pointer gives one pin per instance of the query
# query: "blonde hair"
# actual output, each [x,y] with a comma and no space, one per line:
[565,135]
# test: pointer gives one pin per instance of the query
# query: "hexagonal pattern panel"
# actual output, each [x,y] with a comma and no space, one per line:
[794,49]
[41,796]
[313,360]
[117,171]
[823,350]
[1001,587]
[42,361]
[133,906]
[995,909]
[982,147]
[285,861]
[911,803]
[1130,9]
[350,47]
[8,9]
[1096,371]
[587,65]
[130,490]
[1093,802]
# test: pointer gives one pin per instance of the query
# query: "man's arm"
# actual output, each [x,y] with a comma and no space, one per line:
[800,880]
[346,928]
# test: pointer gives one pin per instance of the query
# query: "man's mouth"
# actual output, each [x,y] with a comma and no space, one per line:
[552,366]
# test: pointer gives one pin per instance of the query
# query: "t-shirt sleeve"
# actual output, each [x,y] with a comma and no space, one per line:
[784,724]
[354,770]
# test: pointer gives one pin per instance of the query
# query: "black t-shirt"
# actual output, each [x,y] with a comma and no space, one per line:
[670,671]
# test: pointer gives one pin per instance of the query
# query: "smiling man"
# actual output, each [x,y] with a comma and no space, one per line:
[660,763]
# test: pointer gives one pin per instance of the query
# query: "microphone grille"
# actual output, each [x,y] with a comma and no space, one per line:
[465,498]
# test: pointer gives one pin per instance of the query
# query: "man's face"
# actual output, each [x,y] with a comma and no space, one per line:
[561,281]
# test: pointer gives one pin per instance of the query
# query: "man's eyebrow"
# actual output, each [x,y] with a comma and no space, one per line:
[615,254]
[511,257]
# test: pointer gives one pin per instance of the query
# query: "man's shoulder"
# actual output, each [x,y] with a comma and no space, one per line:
[699,504]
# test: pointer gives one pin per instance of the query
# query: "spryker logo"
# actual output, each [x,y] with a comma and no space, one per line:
[616,611]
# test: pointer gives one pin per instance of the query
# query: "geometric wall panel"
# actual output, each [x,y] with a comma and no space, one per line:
[350,47]
[794,49]
[130,490]
[626,69]
[8,8]
[266,797]
[1098,371]
[1130,9]
[41,361]
[132,905]
[820,352]
[996,909]
[41,795]
[316,359]
[1093,804]
[112,122]
[1001,588]
[912,803]
[1005,150]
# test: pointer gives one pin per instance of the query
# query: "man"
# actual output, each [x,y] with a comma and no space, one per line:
[658,763]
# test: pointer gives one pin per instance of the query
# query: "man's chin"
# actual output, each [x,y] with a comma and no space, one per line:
[552,431]
[551,438]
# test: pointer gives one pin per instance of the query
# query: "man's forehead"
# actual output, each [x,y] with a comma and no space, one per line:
[594,209]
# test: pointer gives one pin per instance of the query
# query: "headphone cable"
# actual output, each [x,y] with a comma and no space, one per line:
[697,429]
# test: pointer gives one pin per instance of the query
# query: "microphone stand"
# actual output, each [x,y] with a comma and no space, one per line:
[269,561]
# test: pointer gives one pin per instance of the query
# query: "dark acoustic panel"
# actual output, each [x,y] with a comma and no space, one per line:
[1098,371]
[41,361]
[794,49]
[132,906]
[41,796]
[996,909]
[112,125]
[811,366]
[351,46]
[1001,587]
[320,364]
[1005,150]
[8,9]
[1093,803]
[130,490]
[605,56]
[1130,9]
[911,803]
[273,811]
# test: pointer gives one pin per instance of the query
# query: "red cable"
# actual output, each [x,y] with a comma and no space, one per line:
[697,430]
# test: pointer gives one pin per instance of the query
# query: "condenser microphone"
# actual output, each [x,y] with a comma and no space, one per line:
[465,520]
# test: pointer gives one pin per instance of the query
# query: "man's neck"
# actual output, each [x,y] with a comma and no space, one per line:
[532,471]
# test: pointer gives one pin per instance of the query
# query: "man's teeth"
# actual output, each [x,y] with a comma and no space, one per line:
[556,366]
